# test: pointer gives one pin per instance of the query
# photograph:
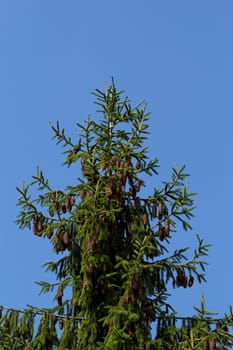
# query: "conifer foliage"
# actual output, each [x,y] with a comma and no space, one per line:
[114,267]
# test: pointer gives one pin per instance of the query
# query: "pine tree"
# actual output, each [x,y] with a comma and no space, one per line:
[114,267]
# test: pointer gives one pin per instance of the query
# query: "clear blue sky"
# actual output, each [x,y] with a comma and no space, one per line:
[178,55]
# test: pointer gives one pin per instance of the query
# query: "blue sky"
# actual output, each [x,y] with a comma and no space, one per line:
[177,55]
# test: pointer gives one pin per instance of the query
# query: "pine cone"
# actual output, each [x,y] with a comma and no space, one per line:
[181,279]
[161,210]
[90,269]
[66,239]
[134,285]
[137,202]
[137,186]
[132,190]
[128,163]
[191,281]
[38,228]
[67,203]
[138,165]
[154,210]
[49,233]
[59,301]
[60,292]
[205,345]
[59,295]
[63,208]
[161,233]
[167,227]
[145,219]
[51,211]
[212,345]
[115,160]
[83,194]
[72,201]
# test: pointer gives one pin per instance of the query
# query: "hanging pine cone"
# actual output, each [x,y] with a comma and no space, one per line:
[161,233]
[83,167]
[205,345]
[72,201]
[34,229]
[83,194]
[185,283]
[181,279]
[63,208]
[67,203]
[37,225]
[121,178]
[212,345]
[51,211]
[49,233]
[66,238]
[90,269]
[127,164]
[160,210]
[191,281]
[118,188]
[132,190]
[115,160]
[137,185]
[92,245]
[138,164]
[58,242]
[167,227]
[134,285]
[154,210]
[145,219]
[135,289]
[59,295]
[35,219]
[137,202]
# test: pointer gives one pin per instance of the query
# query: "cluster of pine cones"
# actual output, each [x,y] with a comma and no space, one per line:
[182,280]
